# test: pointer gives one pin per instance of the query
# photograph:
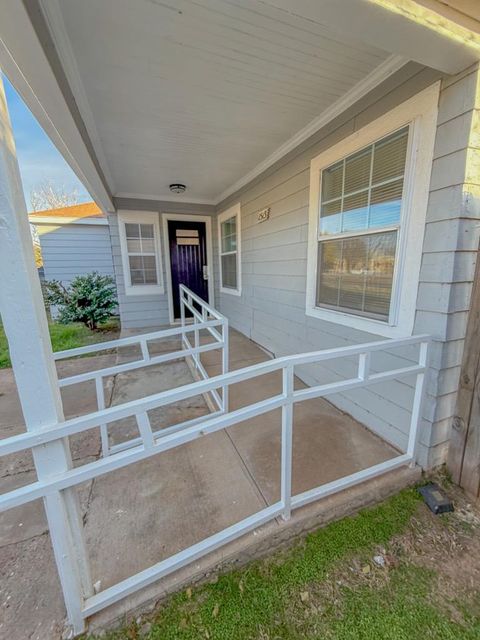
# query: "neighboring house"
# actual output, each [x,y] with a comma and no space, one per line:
[74,241]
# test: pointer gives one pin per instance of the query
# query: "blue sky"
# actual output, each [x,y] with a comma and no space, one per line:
[38,158]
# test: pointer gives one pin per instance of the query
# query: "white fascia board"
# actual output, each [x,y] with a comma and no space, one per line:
[413,31]
[23,60]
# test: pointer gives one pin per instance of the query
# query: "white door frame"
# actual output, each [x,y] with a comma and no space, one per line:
[187,217]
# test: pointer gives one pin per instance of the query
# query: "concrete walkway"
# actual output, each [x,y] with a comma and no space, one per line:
[143,513]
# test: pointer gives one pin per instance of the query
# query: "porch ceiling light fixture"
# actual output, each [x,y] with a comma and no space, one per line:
[177,188]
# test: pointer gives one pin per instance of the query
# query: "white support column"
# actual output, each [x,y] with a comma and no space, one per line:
[25,323]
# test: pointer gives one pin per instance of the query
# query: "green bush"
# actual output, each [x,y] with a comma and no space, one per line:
[89,299]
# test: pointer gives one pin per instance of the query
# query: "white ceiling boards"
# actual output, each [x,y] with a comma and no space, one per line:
[140,94]
[197,92]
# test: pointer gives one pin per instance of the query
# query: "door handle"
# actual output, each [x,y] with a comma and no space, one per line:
[205,271]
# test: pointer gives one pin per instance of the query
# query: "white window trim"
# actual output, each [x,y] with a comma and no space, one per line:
[420,112]
[226,215]
[140,217]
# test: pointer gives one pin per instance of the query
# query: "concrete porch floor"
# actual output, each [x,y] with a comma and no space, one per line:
[143,513]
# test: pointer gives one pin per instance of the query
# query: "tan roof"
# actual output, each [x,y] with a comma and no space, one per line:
[85,210]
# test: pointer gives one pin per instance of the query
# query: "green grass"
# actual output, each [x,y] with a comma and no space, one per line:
[63,336]
[264,600]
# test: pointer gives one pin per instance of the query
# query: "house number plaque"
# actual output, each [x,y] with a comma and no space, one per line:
[263,215]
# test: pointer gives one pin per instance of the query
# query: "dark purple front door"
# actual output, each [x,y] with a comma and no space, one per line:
[188,259]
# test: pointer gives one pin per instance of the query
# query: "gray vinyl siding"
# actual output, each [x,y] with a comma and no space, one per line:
[271,309]
[149,311]
[70,250]
[136,311]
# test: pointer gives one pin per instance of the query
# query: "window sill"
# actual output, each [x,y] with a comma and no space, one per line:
[144,290]
[359,323]
[232,292]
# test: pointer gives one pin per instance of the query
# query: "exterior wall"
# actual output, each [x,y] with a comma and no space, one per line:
[74,249]
[271,309]
[149,311]
[450,247]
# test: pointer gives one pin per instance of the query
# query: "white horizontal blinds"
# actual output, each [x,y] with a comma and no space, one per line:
[356,273]
[141,253]
[228,252]
[361,192]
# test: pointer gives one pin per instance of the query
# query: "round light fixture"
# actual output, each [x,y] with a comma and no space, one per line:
[177,188]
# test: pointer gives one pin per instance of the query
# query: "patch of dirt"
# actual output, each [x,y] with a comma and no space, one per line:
[447,544]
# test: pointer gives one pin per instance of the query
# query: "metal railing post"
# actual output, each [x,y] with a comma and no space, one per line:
[196,343]
[417,405]
[101,405]
[364,365]
[182,308]
[225,356]
[287,442]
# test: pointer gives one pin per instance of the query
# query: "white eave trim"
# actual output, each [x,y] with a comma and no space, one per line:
[373,79]
[59,221]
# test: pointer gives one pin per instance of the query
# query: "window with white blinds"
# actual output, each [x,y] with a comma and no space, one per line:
[359,219]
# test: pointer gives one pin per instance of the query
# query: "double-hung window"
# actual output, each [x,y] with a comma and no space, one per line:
[229,250]
[368,198]
[360,207]
[139,239]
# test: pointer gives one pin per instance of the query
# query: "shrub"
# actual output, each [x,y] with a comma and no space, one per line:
[90,299]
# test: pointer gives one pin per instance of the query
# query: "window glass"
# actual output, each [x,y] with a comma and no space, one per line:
[229,257]
[357,171]
[332,182]
[229,235]
[141,253]
[362,192]
[357,273]
[229,270]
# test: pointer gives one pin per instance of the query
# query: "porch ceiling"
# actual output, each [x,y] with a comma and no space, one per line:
[195,91]
[199,92]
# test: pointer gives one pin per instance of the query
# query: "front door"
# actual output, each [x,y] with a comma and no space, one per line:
[188,259]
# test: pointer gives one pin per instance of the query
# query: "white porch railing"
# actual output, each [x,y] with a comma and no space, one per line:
[207,318]
[152,443]
[187,301]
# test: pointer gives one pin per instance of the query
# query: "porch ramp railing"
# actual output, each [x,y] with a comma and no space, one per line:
[200,312]
[152,443]
[205,318]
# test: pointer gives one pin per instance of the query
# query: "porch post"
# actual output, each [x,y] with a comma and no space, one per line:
[25,324]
